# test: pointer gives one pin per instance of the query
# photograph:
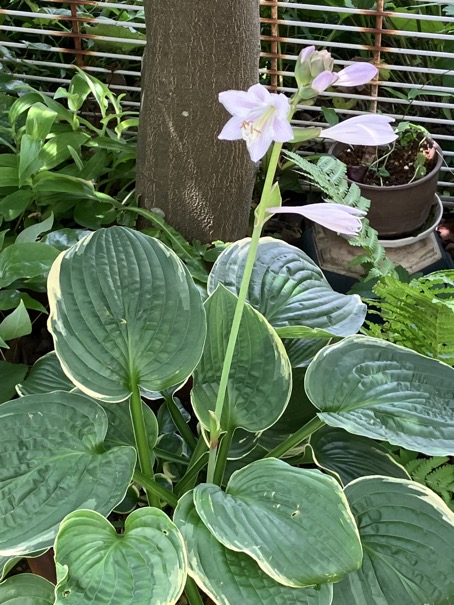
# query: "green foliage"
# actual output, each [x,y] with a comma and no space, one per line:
[436,472]
[128,321]
[418,315]
[329,175]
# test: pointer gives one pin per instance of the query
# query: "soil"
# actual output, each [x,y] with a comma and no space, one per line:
[400,165]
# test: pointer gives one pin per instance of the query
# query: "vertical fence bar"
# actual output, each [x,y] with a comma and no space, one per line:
[377,53]
[76,32]
[274,45]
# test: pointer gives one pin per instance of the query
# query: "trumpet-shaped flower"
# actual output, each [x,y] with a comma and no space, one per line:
[356,74]
[368,129]
[353,75]
[336,217]
[259,117]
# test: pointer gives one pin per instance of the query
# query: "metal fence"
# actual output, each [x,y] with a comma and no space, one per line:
[413,46]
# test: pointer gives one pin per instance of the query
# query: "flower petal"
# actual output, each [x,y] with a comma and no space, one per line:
[283,132]
[368,129]
[258,146]
[260,93]
[356,74]
[306,53]
[232,130]
[337,217]
[323,81]
[281,104]
[238,102]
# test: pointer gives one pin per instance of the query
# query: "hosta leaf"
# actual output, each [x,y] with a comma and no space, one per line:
[407,534]
[230,577]
[26,589]
[45,376]
[260,378]
[124,309]
[52,461]
[298,411]
[8,563]
[120,431]
[294,522]
[352,456]
[144,565]
[288,288]
[384,391]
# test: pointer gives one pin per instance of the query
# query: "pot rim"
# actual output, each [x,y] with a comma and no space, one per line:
[403,187]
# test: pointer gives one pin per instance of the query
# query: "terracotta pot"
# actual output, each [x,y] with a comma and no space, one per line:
[400,210]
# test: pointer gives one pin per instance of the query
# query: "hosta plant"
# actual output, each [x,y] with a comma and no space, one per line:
[266,483]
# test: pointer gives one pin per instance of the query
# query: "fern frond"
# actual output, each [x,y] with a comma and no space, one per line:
[329,175]
[418,315]
[425,467]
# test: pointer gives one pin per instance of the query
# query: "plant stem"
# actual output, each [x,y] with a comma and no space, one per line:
[192,592]
[157,490]
[180,422]
[242,295]
[187,482]
[222,457]
[140,435]
[309,428]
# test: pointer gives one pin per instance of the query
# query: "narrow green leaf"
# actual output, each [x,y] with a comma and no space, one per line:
[52,462]
[52,182]
[384,391]
[231,577]
[144,565]
[9,177]
[56,150]
[31,234]
[14,204]
[39,122]
[28,158]
[260,381]
[9,299]
[25,261]
[16,324]
[294,522]
[407,534]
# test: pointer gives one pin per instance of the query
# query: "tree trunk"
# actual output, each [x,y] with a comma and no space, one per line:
[196,49]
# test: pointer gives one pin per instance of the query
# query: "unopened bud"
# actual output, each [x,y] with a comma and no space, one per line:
[302,69]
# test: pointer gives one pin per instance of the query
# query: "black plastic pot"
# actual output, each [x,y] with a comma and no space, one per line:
[400,210]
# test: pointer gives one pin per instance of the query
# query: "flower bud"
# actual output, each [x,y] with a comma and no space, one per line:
[310,64]
[302,69]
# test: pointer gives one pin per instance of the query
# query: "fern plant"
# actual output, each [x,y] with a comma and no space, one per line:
[329,175]
[418,315]
[437,472]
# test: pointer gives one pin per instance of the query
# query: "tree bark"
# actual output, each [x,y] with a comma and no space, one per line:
[195,50]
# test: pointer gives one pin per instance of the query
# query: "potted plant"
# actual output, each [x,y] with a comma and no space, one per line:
[399,179]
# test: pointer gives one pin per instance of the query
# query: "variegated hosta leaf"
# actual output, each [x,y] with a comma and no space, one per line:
[45,376]
[294,522]
[52,462]
[8,563]
[407,534]
[96,565]
[26,589]
[288,288]
[376,389]
[232,578]
[352,456]
[260,378]
[124,309]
